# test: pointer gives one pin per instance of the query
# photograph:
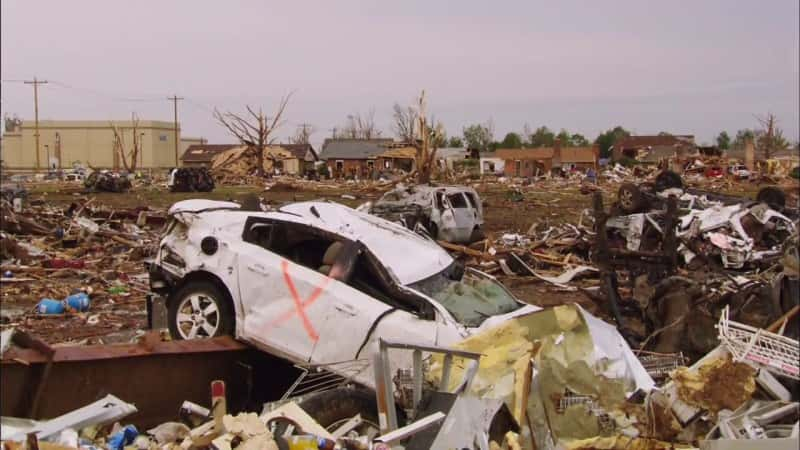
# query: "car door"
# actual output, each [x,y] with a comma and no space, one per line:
[351,334]
[464,215]
[361,306]
[284,304]
[357,320]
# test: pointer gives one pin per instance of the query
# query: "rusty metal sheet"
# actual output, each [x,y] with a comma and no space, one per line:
[96,352]
[157,377]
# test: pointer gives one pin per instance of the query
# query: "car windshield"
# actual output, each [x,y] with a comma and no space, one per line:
[470,300]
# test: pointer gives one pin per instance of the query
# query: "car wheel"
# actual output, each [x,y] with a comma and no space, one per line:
[668,179]
[200,310]
[477,235]
[331,409]
[630,198]
[91,180]
[433,230]
[772,196]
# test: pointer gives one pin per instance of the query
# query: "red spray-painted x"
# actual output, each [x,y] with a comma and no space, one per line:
[299,304]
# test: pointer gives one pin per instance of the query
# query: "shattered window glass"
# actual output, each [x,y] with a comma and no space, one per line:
[457,200]
[471,300]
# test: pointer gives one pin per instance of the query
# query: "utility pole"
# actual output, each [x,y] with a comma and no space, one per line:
[305,135]
[175,99]
[36,84]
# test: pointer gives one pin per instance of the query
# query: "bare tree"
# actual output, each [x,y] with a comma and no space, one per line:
[405,123]
[412,126]
[12,123]
[255,131]
[359,127]
[770,138]
[119,144]
[303,134]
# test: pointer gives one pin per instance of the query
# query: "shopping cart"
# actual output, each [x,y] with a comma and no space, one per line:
[775,353]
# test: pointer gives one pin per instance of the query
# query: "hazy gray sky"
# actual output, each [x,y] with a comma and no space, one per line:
[677,66]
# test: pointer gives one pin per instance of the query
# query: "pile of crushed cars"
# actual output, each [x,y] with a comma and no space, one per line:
[107,181]
[190,179]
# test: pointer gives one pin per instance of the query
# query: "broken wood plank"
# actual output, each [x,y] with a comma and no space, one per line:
[464,250]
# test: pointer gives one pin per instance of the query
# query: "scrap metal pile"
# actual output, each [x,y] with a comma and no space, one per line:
[663,262]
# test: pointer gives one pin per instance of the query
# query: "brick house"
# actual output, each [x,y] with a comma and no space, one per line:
[580,158]
[637,147]
[362,158]
[526,162]
[529,162]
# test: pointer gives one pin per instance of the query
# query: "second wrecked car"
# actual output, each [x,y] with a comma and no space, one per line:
[448,213]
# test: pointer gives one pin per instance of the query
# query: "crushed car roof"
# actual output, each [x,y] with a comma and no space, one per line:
[407,255]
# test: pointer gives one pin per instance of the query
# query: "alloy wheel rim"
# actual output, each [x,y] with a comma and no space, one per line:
[198,317]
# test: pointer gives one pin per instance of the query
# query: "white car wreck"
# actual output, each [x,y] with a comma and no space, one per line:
[449,213]
[321,285]
[316,282]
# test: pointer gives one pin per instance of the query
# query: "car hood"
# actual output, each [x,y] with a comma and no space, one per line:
[407,255]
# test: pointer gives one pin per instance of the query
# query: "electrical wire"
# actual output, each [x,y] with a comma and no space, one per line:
[104,94]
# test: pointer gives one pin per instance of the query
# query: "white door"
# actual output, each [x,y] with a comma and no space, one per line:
[355,324]
[284,304]
[349,320]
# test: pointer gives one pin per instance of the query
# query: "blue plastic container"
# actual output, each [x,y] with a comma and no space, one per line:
[50,306]
[78,302]
[123,437]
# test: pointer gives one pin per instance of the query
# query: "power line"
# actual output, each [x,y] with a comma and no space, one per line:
[199,105]
[105,94]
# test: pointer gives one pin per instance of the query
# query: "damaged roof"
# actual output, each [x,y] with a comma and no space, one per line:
[301,151]
[205,152]
[353,148]
[525,153]
[587,154]
[400,153]
[406,254]
[654,140]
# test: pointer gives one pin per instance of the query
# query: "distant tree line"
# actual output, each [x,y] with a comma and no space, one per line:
[480,136]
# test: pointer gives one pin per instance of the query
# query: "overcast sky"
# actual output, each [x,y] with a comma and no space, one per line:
[678,66]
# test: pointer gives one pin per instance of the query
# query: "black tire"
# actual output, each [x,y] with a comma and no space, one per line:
[772,196]
[332,408]
[630,198]
[223,324]
[668,179]
[477,235]
[433,230]
[91,180]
